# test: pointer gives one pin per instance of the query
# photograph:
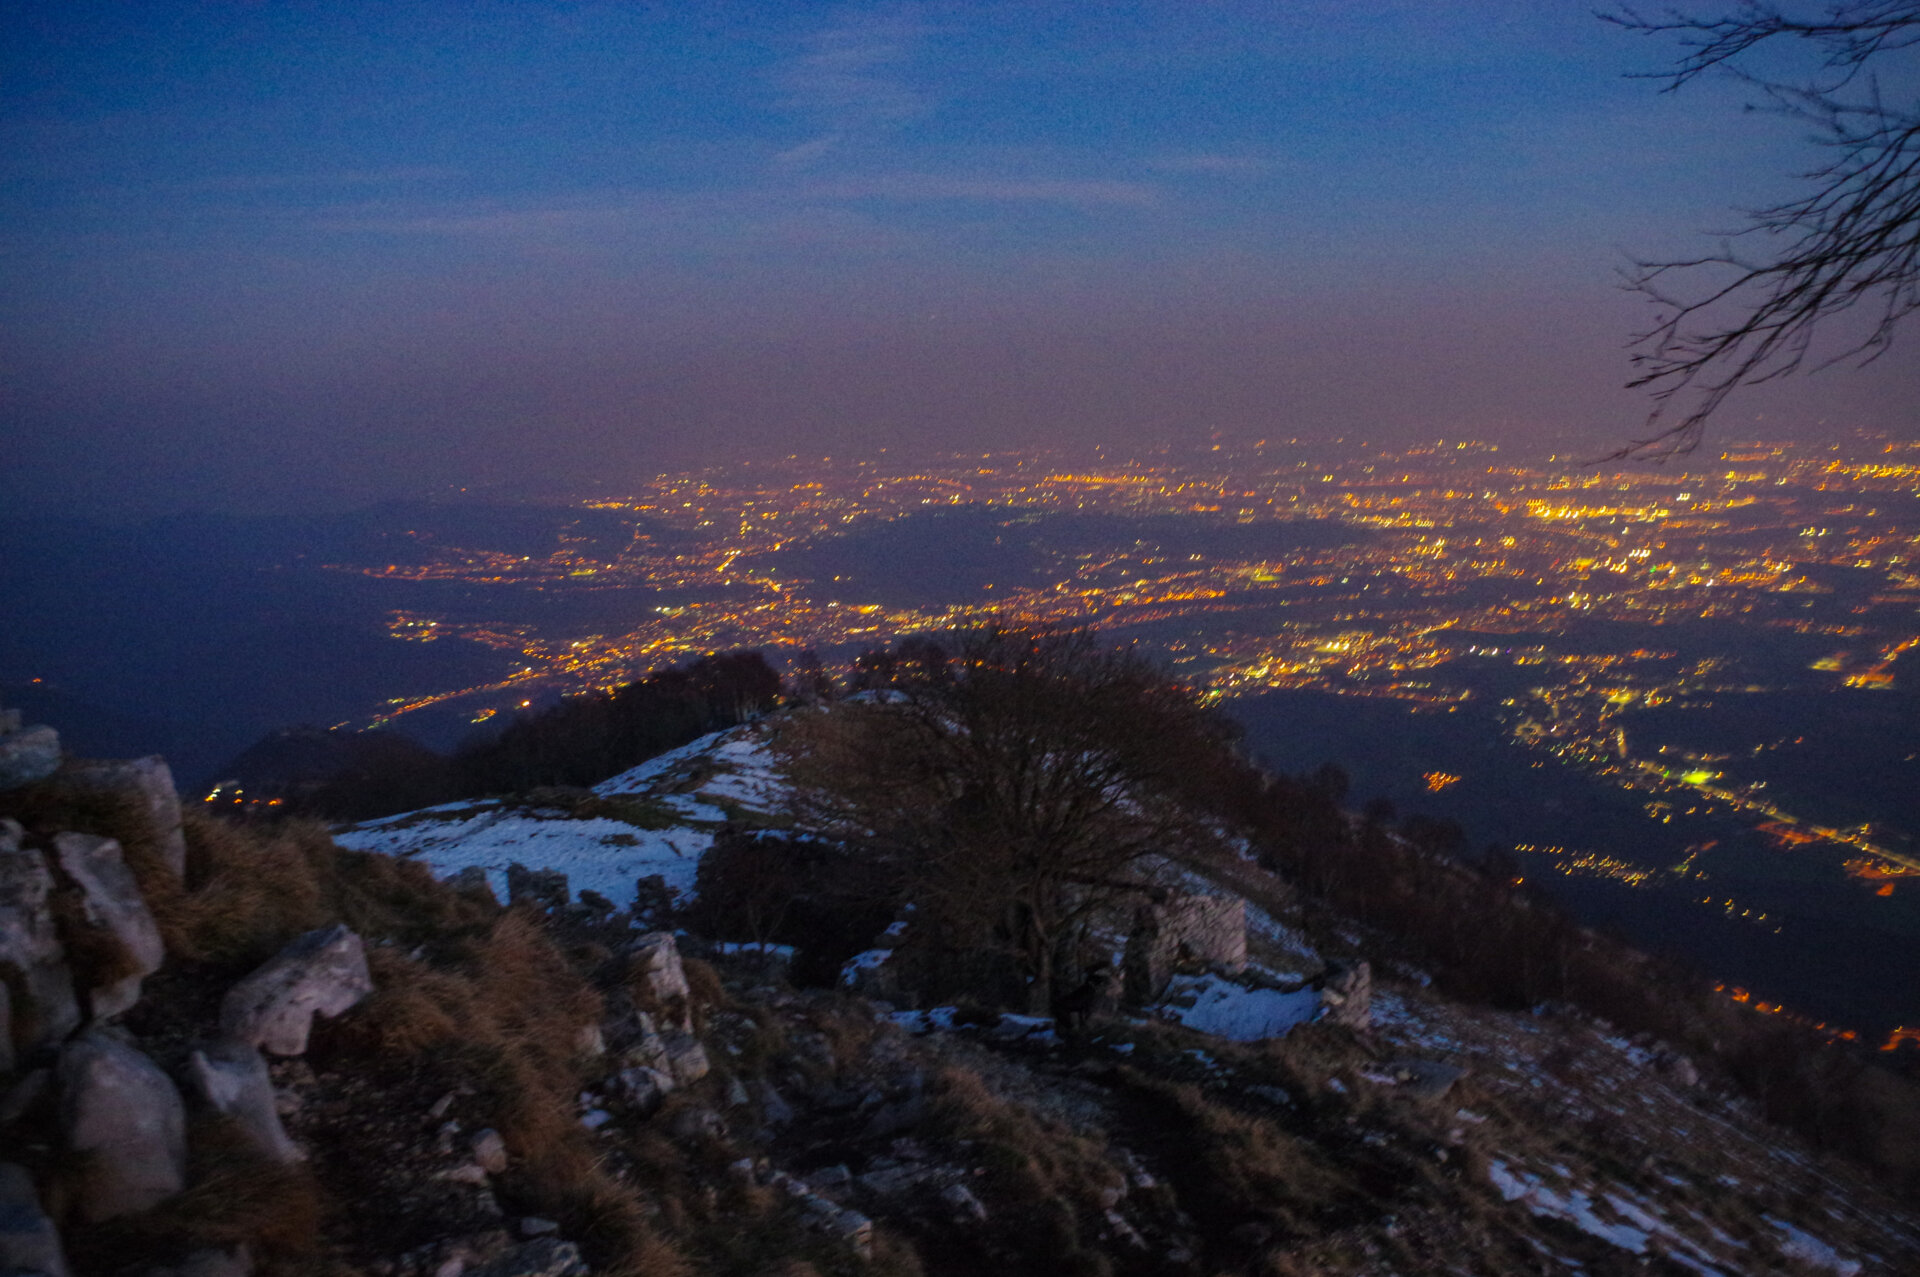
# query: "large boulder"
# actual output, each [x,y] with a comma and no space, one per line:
[29,1243]
[27,755]
[33,963]
[125,1119]
[323,972]
[112,903]
[141,786]
[231,1079]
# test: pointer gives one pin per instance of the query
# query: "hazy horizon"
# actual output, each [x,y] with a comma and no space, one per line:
[258,256]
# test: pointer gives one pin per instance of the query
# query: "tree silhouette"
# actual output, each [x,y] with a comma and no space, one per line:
[1012,790]
[1748,312]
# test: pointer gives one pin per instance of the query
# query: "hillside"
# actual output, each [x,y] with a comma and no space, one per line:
[612,1073]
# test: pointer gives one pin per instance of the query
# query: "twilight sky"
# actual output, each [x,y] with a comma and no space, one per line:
[256,254]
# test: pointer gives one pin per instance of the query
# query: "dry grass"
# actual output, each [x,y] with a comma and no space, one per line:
[1043,1181]
[1230,1169]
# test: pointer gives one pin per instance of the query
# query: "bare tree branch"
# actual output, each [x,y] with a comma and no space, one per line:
[1748,313]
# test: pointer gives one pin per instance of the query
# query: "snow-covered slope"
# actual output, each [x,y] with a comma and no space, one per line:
[657,818]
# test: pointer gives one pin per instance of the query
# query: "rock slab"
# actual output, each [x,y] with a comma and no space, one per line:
[111,901]
[231,1078]
[41,1005]
[125,1118]
[323,972]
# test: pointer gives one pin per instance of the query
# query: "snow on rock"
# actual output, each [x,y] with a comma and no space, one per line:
[600,854]
[739,767]
[1808,1249]
[1213,1004]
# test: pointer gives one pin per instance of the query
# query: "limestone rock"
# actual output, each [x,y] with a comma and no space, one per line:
[41,1005]
[489,1151]
[686,1058]
[1347,995]
[660,980]
[231,1078]
[145,786]
[29,1243]
[111,900]
[27,755]
[644,1089]
[322,972]
[124,1116]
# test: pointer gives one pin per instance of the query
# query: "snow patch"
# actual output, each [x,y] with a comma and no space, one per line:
[1212,1004]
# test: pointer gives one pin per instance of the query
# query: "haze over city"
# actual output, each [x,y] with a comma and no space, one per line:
[274,257]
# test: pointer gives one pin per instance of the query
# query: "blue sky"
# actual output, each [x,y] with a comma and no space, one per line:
[257,251]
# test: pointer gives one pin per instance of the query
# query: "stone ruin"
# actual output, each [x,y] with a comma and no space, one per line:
[1177,930]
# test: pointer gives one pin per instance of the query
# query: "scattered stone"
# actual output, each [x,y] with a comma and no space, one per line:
[590,1041]
[323,971]
[830,1179]
[644,1089]
[121,1113]
[231,1078]
[111,901]
[28,754]
[143,785]
[534,1226]
[1424,1079]
[489,1150]
[774,1110]
[544,889]
[29,1243]
[440,1107]
[471,1173]
[41,1006]
[698,1122]
[960,1199]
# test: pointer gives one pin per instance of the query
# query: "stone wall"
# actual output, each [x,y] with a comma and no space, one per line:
[1183,930]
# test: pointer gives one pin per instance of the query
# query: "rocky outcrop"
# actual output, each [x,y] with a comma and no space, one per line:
[124,1118]
[29,1243]
[231,1078]
[112,904]
[660,981]
[143,788]
[33,963]
[323,972]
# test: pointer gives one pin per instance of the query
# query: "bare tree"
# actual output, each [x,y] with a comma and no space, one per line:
[1011,792]
[1748,312]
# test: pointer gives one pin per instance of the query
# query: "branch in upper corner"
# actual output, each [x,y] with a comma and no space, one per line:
[1729,319]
